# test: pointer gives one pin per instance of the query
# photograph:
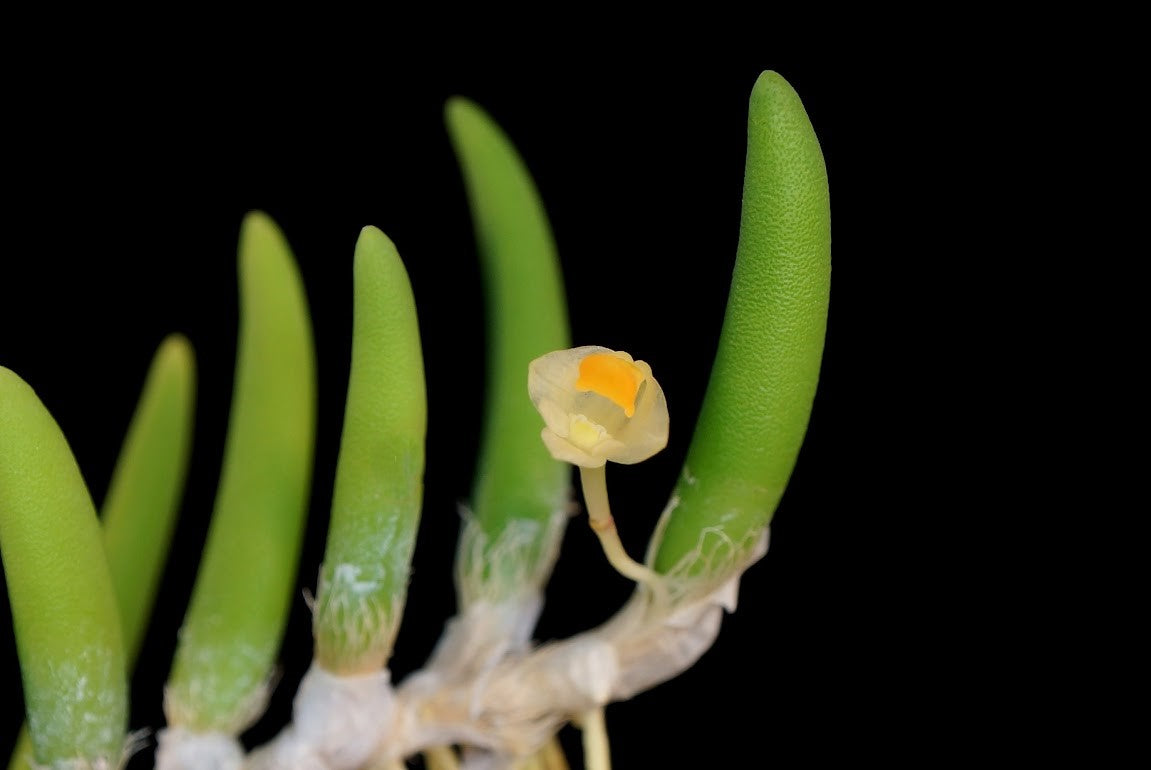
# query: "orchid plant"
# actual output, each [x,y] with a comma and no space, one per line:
[82,587]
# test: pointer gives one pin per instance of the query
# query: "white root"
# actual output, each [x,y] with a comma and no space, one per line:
[483,688]
[514,708]
[338,723]
[182,749]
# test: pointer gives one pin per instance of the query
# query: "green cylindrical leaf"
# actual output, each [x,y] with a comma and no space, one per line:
[140,509]
[763,382]
[243,591]
[63,606]
[519,486]
[379,476]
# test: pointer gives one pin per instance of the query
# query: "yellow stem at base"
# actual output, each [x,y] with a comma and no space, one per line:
[596,751]
[534,762]
[441,758]
[549,757]
[552,756]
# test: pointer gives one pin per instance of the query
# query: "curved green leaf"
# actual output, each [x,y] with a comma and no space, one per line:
[143,500]
[63,607]
[763,382]
[519,486]
[243,591]
[379,476]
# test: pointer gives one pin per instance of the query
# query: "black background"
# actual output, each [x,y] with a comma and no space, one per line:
[129,189]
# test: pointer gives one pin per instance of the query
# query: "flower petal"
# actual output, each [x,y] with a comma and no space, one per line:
[598,404]
[646,433]
[564,450]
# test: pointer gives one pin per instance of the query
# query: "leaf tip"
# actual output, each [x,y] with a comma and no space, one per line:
[260,239]
[772,90]
[458,108]
[10,382]
[176,352]
[257,223]
[375,239]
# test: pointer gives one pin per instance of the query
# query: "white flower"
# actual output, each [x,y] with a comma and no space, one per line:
[599,405]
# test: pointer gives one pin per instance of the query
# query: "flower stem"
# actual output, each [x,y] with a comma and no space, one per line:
[594,481]
[441,758]
[596,752]
[552,756]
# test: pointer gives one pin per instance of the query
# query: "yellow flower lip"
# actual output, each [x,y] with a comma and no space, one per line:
[612,377]
[584,433]
[598,405]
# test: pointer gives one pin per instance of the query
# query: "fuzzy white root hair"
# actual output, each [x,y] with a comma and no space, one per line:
[484,688]
[182,749]
[132,744]
[518,571]
[338,722]
[513,708]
